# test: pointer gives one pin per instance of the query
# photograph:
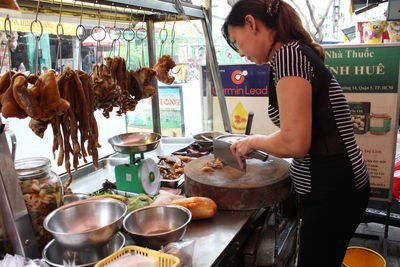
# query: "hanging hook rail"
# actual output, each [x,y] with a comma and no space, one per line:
[8,33]
[59,37]
[141,34]
[37,37]
[130,31]
[163,37]
[80,35]
[172,46]
[173,37]
[99,38]
[114,30]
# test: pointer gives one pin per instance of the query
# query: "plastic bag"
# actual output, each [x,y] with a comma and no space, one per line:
[181,249]
[20,261]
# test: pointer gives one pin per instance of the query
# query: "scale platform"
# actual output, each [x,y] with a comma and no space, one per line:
[140,175]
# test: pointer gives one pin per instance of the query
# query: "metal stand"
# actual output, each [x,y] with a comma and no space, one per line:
[385,236]
[15,215]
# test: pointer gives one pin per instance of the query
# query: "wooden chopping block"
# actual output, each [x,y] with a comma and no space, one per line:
[264,183]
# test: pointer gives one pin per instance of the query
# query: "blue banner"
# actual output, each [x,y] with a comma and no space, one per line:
[241,80]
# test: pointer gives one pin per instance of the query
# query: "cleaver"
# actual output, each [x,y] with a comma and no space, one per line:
[222,150]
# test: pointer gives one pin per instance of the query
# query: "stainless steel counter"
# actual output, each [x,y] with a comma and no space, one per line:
[213,237]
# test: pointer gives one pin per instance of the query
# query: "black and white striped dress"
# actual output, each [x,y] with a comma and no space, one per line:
[331,115]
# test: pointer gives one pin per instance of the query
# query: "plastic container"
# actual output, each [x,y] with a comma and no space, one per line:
[363,257]
[42,191]
[379,121]
[373,31]
[393,29]
[162,259]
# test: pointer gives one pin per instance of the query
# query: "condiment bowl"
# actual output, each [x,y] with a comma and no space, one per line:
[56,255]
[86,223]
[157,225]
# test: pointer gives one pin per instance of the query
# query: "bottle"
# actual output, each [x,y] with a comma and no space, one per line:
[42,191]
[21,67]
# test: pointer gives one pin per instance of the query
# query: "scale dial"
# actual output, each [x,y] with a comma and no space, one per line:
[150,176]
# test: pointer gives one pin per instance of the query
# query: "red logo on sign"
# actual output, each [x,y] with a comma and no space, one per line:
[238,76]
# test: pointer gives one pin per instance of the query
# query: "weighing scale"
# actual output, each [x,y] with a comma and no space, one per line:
[140,175]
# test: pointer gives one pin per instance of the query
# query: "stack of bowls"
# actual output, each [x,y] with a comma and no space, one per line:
[85,227]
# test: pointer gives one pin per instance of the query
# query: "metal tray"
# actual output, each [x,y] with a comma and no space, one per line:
[173,183]
[135,142]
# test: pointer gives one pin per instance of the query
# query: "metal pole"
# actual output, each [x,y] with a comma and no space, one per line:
[155,103]
[215,72]
[12,204]
[209,95]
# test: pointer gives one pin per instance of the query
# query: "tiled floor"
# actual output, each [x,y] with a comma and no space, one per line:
[373,239]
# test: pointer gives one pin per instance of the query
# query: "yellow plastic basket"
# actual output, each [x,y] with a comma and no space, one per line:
[162,259]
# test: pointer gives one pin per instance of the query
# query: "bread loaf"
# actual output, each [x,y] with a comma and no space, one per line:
[200,207]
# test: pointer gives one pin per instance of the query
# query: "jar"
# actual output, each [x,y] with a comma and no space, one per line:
[379,123]
[42,191]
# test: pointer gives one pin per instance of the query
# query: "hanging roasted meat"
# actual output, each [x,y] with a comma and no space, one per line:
[42,101]
[162,67]
[106,91]
[76,87]
[144,75]
[5,81]
[10,4]
[9,107]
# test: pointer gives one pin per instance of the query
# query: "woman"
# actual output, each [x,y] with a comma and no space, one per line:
[307,104]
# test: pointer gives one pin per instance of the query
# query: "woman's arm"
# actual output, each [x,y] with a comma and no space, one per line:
[293,139]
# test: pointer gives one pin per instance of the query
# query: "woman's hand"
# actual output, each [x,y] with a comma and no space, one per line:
[241,148]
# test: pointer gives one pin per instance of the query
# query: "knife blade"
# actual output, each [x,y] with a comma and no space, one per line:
[222,150]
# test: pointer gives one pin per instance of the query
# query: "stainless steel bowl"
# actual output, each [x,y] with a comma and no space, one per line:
[135,142]
[74,197]
[55,255]
[154,226]
[205,138]
[85,224]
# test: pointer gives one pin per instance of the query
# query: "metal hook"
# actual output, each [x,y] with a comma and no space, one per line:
[98,12]
[37,10]
[80,26]
[59,18]
[115,15]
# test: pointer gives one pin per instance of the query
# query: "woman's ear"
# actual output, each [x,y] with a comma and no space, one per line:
[251,22]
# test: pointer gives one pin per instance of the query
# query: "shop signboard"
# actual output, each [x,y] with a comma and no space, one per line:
[246,89]
[24,25]
[171,113]
[369,76]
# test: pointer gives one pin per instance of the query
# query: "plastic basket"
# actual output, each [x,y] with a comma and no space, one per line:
[363,257]
[162,259]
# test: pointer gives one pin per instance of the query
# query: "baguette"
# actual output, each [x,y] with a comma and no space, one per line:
[200,207]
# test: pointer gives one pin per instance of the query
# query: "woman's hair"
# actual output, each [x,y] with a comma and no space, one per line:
[276,15]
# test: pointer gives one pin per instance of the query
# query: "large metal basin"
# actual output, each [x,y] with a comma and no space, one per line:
[86,223]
